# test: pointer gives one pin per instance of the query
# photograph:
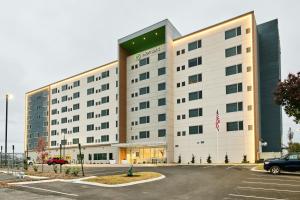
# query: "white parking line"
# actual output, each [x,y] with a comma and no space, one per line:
[280,176]
[52,191]
[230,167]
[254,197]
[274,179]
[279,184]
[267,189]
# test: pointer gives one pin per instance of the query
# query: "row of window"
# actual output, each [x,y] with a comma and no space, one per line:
[103,138]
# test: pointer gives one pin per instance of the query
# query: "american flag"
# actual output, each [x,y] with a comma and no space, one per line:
[217,120]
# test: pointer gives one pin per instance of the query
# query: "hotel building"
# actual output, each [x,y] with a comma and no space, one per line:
[160,100]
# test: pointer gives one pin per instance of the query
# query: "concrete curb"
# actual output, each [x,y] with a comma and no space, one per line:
[33,177]
[80,181]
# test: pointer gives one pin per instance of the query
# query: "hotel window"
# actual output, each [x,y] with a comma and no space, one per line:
[144,105]
[196,112]
[54,132]
[233,51]
[182,51]
[54,91]
[100,156]
[53,143]
[64,109]
[76,129]
[54,111]
[234,69]
[162,117]
[75,118]
[63,142]
[195,78]
[178,53]
[234,107]
[64,131]
[90,91]
[90,115]
[54,101]
[144,134]
[90,103]
[104,125]
[64,120]
[161,56]
[104,138]
[64,87]
[196,129]
[144,120]
[195,61]
[144,61]
[234,88]
[75,140]
[90,127]
[235,126]
[105,87]
[76,84]
[161,132]
[104,112]
[144,90]
[90,140]
[195,95]
[53,122]
[64,98]
[194,45]
[144,76]
[161,101]
[76,95]
[105,99]
[76,106]
[161,71]
[105,74]
[90,79]
[232,33]
[161,86]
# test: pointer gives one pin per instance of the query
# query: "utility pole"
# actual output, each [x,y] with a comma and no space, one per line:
[1,156]
[6,115]
[13,158]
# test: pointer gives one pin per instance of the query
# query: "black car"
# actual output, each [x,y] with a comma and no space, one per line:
[290,162]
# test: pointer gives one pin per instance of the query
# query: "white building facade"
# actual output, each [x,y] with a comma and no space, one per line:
[160,100]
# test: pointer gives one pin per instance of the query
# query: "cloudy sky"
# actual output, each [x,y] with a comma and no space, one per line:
[45,41]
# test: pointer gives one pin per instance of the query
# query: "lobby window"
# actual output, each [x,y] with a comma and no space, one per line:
[161,71]
[90,91]
[233,51]
[76,95]
[104,125]
[162,117]
[105,99]
[194,45]
[234,107]
[54,101]
[76,106]
[195,95]
[105,87]
[196,129]
[100,156]
[90,140]
[144,120]
[144,61]
[234,88]
[235,126]
[76,84]
[161,132]
[76,129]
[53,143]
[233,33]
[144,90]
[144,76]
[195,78]
[90,127]
[161,101]
[90,79]
[75,118]
[64,109]
[104,138]
[90,103]
[234,69]
[144,105]
[161,56]
[161,86]
[196,112]
[195,61]
[104,112]
[64,87]
[90,115]
[64,98]
[144,134]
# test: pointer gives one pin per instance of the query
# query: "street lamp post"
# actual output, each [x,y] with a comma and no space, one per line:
[6,115]
[1,156]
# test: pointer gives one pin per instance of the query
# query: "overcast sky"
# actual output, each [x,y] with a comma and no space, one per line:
[45,41]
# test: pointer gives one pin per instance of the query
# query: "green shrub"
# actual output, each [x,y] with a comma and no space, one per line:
[130,171]
[67,170]
[25,164]
[55,169]
[75,171]
[208,159]
[35,168]
[226,159]
[193,159]
[179,159]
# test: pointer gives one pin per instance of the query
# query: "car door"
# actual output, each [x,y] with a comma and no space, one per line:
[292,163]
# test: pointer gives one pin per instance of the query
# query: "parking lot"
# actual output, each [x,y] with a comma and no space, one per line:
[181,182]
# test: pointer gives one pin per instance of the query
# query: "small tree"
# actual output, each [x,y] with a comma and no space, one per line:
[226,159]
[287,94]
[290,135]
[41,151]
[179,159]
[193,159]
[208,159]
[294,147]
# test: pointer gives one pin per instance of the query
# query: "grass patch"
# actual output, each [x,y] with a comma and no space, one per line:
[123,178]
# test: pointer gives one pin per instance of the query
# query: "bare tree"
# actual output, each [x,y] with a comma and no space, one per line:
[41,151]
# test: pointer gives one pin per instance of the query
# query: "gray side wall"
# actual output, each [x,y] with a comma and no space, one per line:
[269,69]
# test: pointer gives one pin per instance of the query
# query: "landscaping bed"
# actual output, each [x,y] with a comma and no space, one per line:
[123,178]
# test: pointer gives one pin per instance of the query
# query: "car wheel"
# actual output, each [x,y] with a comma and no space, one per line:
[275,170]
